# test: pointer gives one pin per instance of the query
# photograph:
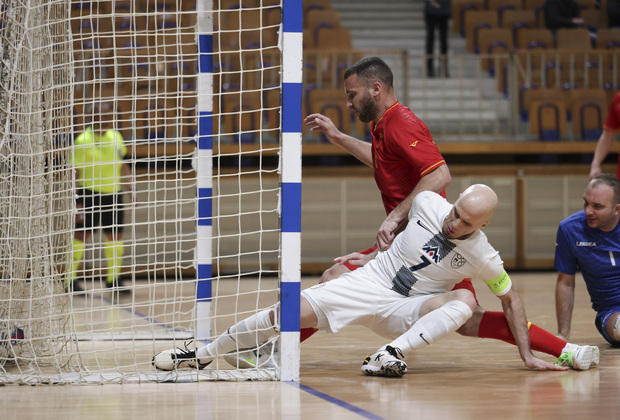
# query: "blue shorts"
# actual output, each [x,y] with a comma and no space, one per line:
[601,324]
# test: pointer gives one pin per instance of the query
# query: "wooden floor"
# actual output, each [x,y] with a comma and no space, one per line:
[456,378]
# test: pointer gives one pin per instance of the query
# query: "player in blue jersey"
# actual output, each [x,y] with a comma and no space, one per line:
[589,240]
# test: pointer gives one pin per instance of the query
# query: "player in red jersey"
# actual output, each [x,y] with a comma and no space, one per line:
[405,161]
[610,128]
[404,158]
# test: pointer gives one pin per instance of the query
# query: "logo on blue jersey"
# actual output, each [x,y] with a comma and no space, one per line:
[581,243]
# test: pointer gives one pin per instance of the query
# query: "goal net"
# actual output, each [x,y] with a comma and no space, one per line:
[149,185]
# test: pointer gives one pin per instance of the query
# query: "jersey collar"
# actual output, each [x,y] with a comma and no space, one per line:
[385,113]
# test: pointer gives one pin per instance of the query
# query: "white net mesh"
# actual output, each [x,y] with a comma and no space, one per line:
[35,195]
[63,64]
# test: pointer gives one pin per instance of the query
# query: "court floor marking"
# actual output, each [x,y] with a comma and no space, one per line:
[336,401]
[146,318]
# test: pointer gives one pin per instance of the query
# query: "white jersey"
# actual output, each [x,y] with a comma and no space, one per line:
[421,261]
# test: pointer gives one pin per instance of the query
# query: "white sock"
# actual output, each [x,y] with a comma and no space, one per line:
[248,333]
[434,326]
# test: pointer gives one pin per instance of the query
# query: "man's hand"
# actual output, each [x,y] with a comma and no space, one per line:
[537,364]
[579,21]
[386,234]
[355,259]
[319,122]
[595,170]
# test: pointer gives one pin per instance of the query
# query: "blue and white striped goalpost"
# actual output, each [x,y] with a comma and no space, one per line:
[290,158]
[290,180]
[204,167]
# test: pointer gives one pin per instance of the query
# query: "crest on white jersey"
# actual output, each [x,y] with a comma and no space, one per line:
[457,261]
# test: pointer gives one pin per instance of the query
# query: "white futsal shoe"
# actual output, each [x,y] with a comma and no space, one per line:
[253,358]
[579,357]
[386,362]
[179,358]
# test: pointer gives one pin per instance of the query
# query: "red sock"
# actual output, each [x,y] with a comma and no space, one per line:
[306,333]
[494,325]
[543,340]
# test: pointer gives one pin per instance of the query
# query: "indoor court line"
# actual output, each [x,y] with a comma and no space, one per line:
[335,401]
[146,318]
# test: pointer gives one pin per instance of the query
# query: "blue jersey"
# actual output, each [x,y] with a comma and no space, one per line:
[596,253]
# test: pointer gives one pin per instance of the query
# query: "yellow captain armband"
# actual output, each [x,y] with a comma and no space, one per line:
[500,285]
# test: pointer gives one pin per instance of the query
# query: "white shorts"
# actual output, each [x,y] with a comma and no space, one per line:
[354,299]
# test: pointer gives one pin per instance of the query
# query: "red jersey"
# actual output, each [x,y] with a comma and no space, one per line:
[612,123]
[402,153]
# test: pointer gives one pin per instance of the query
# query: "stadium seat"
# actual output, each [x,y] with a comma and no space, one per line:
[242,116]
[573,61]
[492,42]
[531,39]
[326,68]
[309,5]
[128,21]
[574,39]
[459,8]
[529,94]
[588,112]
[308,39]
[333,39]
[331,103]
[548,119]
[502,7]
[594,18]
[271,108]
[517,20]
[533,4]
[318,16]
[188,125]
[152,120]
[608,39]
[272,16]
[474,21]
[538,7]
[318,19]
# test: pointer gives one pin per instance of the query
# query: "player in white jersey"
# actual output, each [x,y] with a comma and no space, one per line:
[440,262]
[406,288]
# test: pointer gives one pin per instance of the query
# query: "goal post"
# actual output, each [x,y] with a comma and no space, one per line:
[292,59]
[204,167]
[205,102]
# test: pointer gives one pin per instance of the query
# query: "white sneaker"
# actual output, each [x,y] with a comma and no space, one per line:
[386,362]
[579,357]
[252,358]
[178,359]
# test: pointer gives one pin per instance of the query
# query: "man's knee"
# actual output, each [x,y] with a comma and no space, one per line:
[333,272]
[472,326]
[308,318]
[613,326]
[466,296]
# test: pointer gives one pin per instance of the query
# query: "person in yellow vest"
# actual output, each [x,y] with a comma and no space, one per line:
[101,175]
